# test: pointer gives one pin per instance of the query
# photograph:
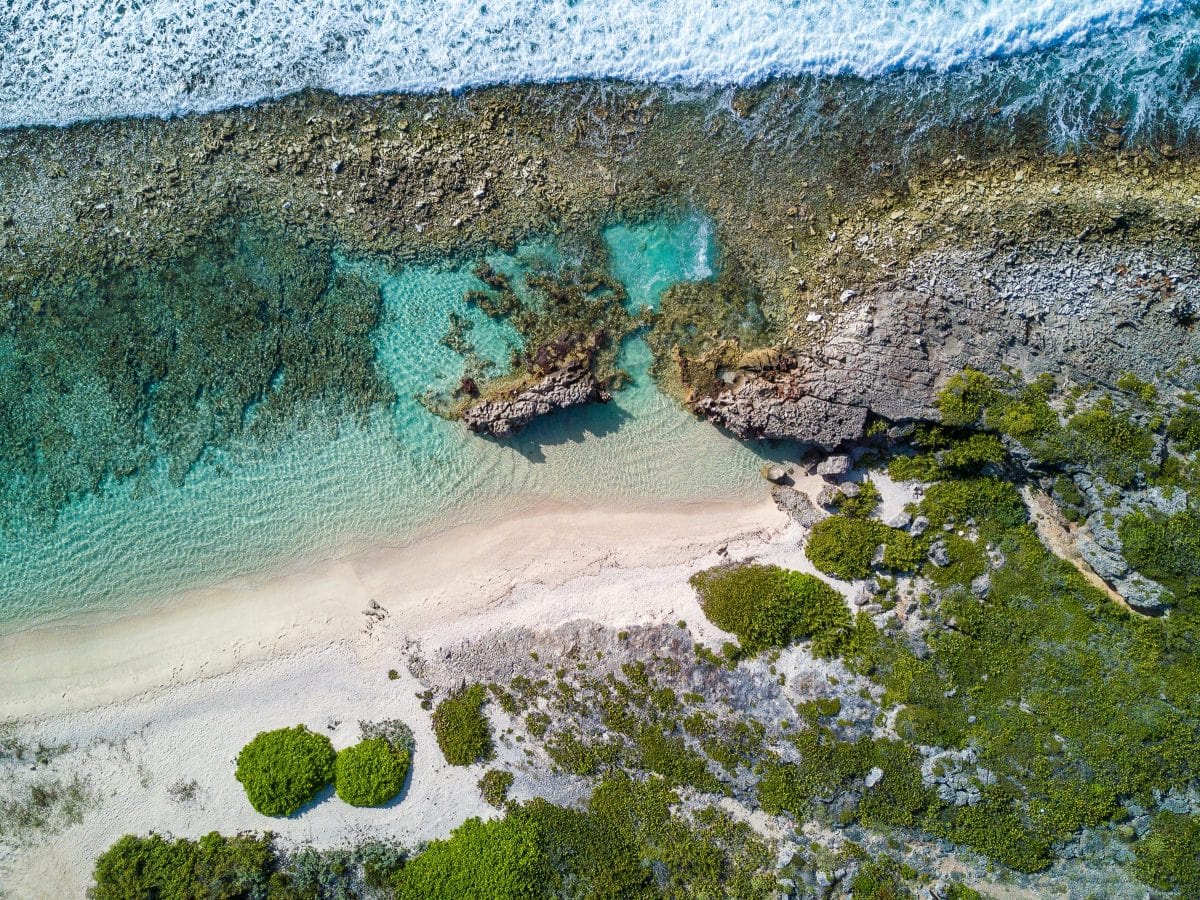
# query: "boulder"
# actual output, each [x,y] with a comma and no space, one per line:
[829,496]
[776,474]
[833,466]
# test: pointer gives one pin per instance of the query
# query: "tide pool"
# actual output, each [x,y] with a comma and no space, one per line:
[338,486]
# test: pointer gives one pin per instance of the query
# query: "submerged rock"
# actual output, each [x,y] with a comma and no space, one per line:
[572,385]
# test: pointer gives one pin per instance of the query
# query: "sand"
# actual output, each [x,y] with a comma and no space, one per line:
[169,695]
[76,665]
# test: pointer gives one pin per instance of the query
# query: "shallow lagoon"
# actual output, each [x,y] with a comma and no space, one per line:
[339,487]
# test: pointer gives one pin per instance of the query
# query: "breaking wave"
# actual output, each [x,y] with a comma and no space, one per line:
[65,60]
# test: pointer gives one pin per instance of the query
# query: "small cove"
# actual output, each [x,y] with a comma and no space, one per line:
[338,487]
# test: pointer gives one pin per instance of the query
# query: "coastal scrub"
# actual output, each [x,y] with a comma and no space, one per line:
[766,606]
[462,729]
[371,772]
[282,770]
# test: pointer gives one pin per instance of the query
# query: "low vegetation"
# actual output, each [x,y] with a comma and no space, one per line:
[283,770]
[767,607]
[213,866]
[462,729]
[1168,857]
[495,785]
[371,773]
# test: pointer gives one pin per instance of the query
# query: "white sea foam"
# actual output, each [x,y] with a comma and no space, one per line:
[63,60]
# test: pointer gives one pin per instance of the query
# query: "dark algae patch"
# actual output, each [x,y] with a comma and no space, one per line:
[240,333]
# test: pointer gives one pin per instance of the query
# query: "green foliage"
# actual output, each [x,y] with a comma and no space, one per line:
[843,547]
[1184,429]
[1027,417]
[626,843]
[1108,442]
[212,868]
[846,548]
[500,859]
[282,770]
[462,729]
[864,504]
[1069,498]
[993,503]
[1168,857]
[1165,548]
[766,606]
[966,395]
[1069,701]
[880,879]
[495,785]
[1143,390]
[972,454]
[829,766]
[371,772]
[669,756]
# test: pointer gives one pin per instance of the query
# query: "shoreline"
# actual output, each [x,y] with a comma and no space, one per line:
[76,664]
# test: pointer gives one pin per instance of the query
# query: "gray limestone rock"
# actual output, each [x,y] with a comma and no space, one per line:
[572,385]
[834,466]
[890,354]
[829,496]
[797,505]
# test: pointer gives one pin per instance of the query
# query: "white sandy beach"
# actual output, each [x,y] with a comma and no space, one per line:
[172,693]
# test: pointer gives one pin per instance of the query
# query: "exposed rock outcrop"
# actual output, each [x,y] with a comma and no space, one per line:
[572,385]
[1089,311]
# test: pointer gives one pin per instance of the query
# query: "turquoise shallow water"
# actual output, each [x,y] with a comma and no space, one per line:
[340,487]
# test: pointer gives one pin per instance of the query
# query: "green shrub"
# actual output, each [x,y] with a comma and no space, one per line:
[1184,429]
[966,395]
[670,757]
[370,773]
[880,879]
[972,454]
[990,501]
[1110,443]
[766,606]
[901,551]
[282,770]
[844,547]
[1143,390]
[500,860]
[212,867]
[1165,548]
[462,729]
[1168,857]
[863,505]
[495,785]
[1025,415]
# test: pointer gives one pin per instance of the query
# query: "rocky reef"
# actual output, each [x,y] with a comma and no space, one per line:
[507,411]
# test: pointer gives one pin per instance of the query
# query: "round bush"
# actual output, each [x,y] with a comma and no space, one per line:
[370,773]
[284,769]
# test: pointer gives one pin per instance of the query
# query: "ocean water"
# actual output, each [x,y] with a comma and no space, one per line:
[339,487]
[61,62]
